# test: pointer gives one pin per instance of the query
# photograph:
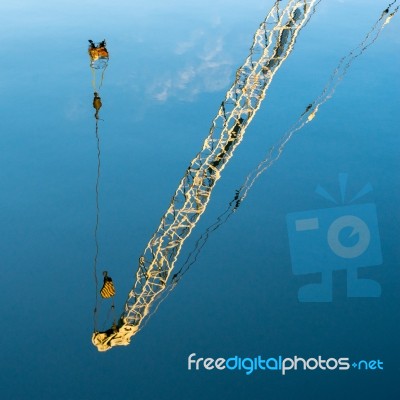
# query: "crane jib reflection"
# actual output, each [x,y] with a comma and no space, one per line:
[276,150]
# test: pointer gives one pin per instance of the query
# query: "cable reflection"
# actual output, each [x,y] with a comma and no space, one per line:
[99,57]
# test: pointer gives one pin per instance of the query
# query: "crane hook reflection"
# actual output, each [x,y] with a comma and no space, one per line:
[97,105]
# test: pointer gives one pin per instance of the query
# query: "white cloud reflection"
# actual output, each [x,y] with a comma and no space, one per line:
[206,72]
[183,46]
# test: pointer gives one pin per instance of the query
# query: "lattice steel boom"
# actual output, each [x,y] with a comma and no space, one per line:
[273,42]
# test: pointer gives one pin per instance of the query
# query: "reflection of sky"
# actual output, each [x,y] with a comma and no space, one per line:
[169,68]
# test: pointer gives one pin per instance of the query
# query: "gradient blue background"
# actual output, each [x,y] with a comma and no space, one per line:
[170,65]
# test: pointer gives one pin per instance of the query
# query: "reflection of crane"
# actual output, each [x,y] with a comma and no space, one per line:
[273,42]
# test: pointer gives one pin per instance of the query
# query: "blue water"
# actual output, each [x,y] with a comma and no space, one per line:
[170,66]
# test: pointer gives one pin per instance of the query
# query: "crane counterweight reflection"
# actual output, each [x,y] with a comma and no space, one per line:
[272,44]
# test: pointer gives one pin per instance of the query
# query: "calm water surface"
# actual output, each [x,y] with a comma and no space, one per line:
[170,66]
